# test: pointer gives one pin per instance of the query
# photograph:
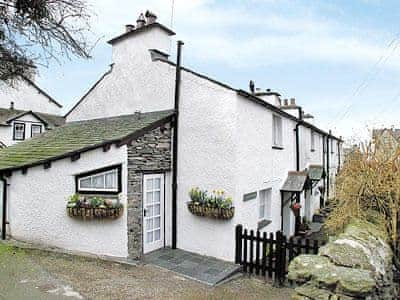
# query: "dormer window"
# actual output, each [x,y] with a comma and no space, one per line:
[19,131]
[36,129]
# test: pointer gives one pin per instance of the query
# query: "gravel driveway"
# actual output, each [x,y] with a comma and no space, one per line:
[34,274]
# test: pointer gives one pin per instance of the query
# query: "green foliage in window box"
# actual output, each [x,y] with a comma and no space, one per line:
[217,205]
[93,207]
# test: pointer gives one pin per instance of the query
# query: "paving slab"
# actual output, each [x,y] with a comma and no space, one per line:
[208,270]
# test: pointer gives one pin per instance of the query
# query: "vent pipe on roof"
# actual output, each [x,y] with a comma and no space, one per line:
[252,86]
[140,22]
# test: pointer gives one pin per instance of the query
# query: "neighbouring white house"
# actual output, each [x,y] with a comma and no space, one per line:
[26,111]
[142,137]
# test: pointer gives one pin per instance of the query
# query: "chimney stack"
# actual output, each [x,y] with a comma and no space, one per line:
[140,22]
[285,102]
[151,17]
[129,27]
[292,101]
[11,105]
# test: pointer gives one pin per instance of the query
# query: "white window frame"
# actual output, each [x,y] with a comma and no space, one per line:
[36,126]
[277,131]
[102,172]
[15,131]
[264,202]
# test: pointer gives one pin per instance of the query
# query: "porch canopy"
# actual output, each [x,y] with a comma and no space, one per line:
[295,182]
[316,172]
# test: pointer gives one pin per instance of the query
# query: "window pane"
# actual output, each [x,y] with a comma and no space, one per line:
[149,224]
[149,237]
[111,180]
[19,131]
[157,235]
[85,183]
[149,197]
[157,183]
[262,212]
[157,210]
[149,211]
[156,198]
[157,222]
[98,181]
[149,184]
[36,130]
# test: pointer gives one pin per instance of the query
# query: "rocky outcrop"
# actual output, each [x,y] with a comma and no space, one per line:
[357,264]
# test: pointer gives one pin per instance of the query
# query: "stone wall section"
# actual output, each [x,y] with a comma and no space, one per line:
[149,153]
[355,265]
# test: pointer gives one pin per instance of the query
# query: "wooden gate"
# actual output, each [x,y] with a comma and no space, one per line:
[269,254]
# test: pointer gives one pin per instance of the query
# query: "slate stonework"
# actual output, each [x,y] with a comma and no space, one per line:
[149,153]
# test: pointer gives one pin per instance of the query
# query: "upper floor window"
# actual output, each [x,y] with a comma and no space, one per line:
[19,131]
[312,140]
[36,129]
[277,132]
[102,181]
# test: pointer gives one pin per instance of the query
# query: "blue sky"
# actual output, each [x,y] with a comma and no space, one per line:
[339,59]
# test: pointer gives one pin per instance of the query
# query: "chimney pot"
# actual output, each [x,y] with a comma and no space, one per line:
[251,86]
[285,102]
[11,105]
[268,90]
[151,17]
[129,27]
[293,101]
[138,113]
[140,22]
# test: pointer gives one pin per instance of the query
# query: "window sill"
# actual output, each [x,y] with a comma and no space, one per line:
[277,147]
[263,223]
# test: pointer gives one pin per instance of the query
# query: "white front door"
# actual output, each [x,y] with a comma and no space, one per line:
[153,212]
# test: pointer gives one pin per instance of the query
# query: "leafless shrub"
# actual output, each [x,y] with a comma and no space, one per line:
[368,187]
[33,32]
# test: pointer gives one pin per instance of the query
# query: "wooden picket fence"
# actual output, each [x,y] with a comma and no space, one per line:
[269,255]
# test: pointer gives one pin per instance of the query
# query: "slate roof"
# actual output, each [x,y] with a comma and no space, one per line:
[295,182]
[7,115]
[315,172]
[77,137]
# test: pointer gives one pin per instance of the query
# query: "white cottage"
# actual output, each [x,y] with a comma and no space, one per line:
[26,111]
[146,133]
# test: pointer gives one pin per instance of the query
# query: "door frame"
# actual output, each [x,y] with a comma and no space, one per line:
[146,176]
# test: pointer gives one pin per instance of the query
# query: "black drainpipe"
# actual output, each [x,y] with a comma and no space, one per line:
[299,123]
[327,165]
[175,144]
[4,217]
[321,204]
[339,162]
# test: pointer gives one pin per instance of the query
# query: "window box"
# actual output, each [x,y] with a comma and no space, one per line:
[95,213]
[94,207]
[211,212]
[216,205]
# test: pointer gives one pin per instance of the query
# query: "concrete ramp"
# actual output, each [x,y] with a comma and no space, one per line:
[207,270]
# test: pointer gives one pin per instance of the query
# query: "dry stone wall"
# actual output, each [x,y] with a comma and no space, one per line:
[355,265]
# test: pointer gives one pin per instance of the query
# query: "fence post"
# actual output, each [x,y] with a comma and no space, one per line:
[278,262]
[251,251]
[238,237]
[258,252]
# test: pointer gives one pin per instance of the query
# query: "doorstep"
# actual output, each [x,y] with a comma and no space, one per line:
[208,270]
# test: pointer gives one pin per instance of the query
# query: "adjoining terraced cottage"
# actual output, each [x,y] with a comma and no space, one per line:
[142,137]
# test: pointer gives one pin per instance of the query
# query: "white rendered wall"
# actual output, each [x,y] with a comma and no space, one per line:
[26,97]
[135,82]
[207,159]
[38,214]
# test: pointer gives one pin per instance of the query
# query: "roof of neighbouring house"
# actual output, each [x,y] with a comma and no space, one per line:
[295,182]
[8,115]
[78,137]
